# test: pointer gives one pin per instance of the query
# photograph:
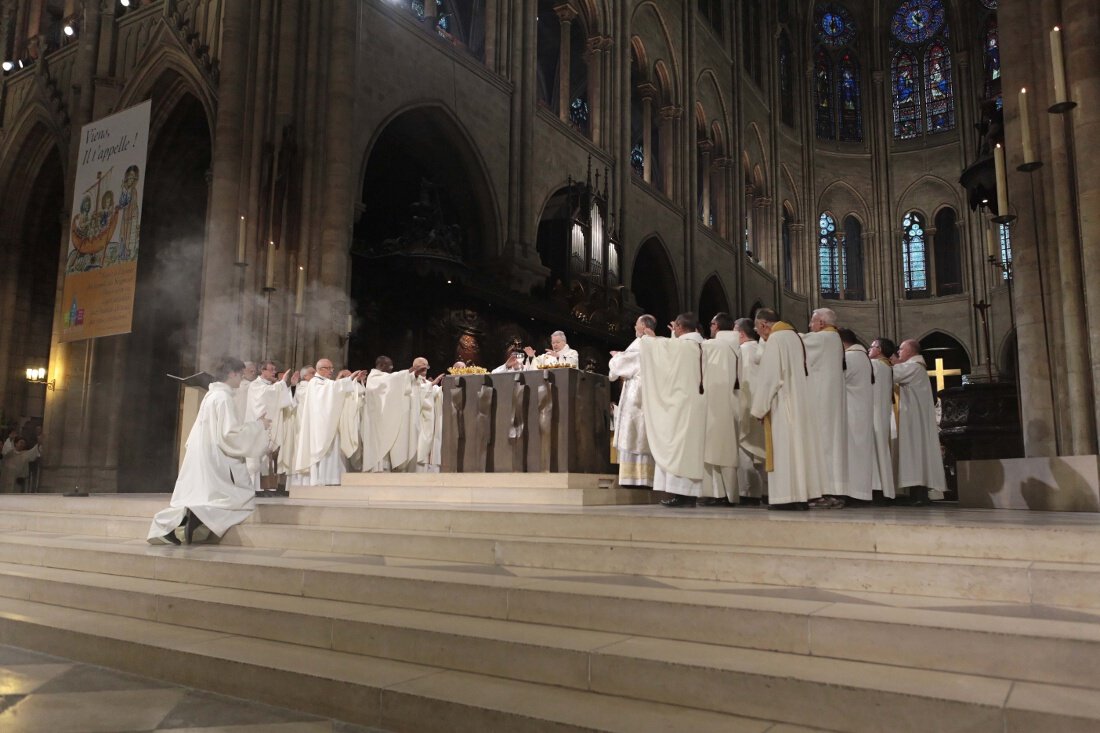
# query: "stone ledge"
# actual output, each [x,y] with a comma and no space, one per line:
[1058,484]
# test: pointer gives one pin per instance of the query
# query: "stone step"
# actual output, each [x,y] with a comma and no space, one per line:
[395,696]
[410,604]
[1066,584]
[926,531]
[766,686]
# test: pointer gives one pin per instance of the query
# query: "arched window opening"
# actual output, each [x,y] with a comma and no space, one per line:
[992,61]
[840,258]
[562,63]
[921,70]
[828,256]
[638,114]
[838,96]
[914,256]
[948,258]
[853,259]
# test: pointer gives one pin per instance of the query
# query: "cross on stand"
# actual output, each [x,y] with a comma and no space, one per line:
[939,373]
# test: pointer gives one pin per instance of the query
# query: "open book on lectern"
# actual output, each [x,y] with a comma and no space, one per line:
[198,380]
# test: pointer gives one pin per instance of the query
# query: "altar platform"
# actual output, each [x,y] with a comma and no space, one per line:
[431,616]
[544,489]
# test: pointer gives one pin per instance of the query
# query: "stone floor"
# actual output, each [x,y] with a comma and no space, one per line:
[44,694]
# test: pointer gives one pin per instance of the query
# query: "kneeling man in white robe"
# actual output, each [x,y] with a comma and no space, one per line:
[213,491]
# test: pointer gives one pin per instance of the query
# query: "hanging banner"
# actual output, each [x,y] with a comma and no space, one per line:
[105,226]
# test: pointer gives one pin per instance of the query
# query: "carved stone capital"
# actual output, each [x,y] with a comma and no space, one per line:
[705,146]
[671,112]
[566,12]
[646,90]
[598,44]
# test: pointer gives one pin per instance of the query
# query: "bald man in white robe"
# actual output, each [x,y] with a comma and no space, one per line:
[318,459]
[920,461]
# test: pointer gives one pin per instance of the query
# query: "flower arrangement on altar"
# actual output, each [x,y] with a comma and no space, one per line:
[467,370]
[555,365]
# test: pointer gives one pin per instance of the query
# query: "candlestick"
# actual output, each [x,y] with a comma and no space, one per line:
[301,291]
[351,323]
[1002,180]
[1025,127]
[269,275]
[240,241]
[1059,65]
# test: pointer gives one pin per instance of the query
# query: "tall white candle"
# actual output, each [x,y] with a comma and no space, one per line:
[351,323]
[240,241]
[1058,64]
[1025,127]
[269,274]
[301,291]
[1002,180]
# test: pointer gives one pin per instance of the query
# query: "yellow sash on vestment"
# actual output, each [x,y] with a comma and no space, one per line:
[769,453]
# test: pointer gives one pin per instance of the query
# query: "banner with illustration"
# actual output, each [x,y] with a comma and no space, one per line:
[105,226]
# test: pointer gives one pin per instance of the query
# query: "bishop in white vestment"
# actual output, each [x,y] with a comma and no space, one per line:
[318,459]
[213,483]
[859,401]
[782,398]
[825,359]
[391,413]
[635,460]
[920,462]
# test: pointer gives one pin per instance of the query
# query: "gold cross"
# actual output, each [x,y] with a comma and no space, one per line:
[939,373]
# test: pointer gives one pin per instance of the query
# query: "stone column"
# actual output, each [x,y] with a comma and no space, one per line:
[798,280]
[566,14]
[723,165]
[333,271]
[491,35]
[595,55]
[705,148]
[669,115]
[7,17]
[218,278]
[648,93]
[1082,18]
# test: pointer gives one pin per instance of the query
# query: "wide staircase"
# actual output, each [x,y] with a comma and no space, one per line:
[480,618]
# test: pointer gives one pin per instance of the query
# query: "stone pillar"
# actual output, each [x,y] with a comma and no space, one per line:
[798,279]
[595,57]
[215,338]
[1082,18]
[669,115]
[7,17]
[722,166]
[332,270]
[491,35]
[705,148]
[648,93]
[566,14]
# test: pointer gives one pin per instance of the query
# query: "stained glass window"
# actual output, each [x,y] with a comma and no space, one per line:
[992,58]
[578,113]
[991,4]
[828,256]
[786,80]
[939,98]
[914,255]
[851,118]
[917,21]
[1006,248]
[907,118]
[835,27]
[823,96]
[637,160]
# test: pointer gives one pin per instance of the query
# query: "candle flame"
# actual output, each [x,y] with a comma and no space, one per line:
[1057,29]
[300,267]
[1023,90]
[998,145]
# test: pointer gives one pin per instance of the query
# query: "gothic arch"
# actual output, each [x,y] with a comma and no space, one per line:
[441,119]
[840,196]
[653,279]
[712,298]
[947,337]
[35,133]
[710,95]
[647,17]
[926,194]
[794,202]
[761,157]
[157,73]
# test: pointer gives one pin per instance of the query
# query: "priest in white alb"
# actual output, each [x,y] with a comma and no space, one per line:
[429,427]
[782,399]
[240,396]
[391,414]
[825,359]
[559,353]
[318,458]
[920,461]
[269,396]
[675,411]
[885,418]
[635,460]
[859,402]
[284,461]
[752,479]
[213,491]
[721,381]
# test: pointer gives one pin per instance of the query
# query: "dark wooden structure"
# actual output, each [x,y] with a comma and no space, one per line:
[547,420]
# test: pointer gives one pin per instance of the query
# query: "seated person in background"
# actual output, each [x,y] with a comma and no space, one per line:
[558,353]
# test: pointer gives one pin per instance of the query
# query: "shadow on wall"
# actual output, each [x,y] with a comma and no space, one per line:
[1070,493]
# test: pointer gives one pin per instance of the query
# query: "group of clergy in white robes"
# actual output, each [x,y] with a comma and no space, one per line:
[807,419]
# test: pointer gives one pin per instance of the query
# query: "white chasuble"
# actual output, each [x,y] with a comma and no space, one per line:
[781,393]
[318,454]
[920,462]
[391,411]
[859,400]
[721,447]
[675,412]
[429,439]
[825,359]
[213,481]
[885,454]
[751,477]
[271,400]
[635,460]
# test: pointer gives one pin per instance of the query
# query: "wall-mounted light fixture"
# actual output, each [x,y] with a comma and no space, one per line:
[37,375]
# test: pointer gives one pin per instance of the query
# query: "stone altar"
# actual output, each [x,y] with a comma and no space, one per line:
[546,420]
